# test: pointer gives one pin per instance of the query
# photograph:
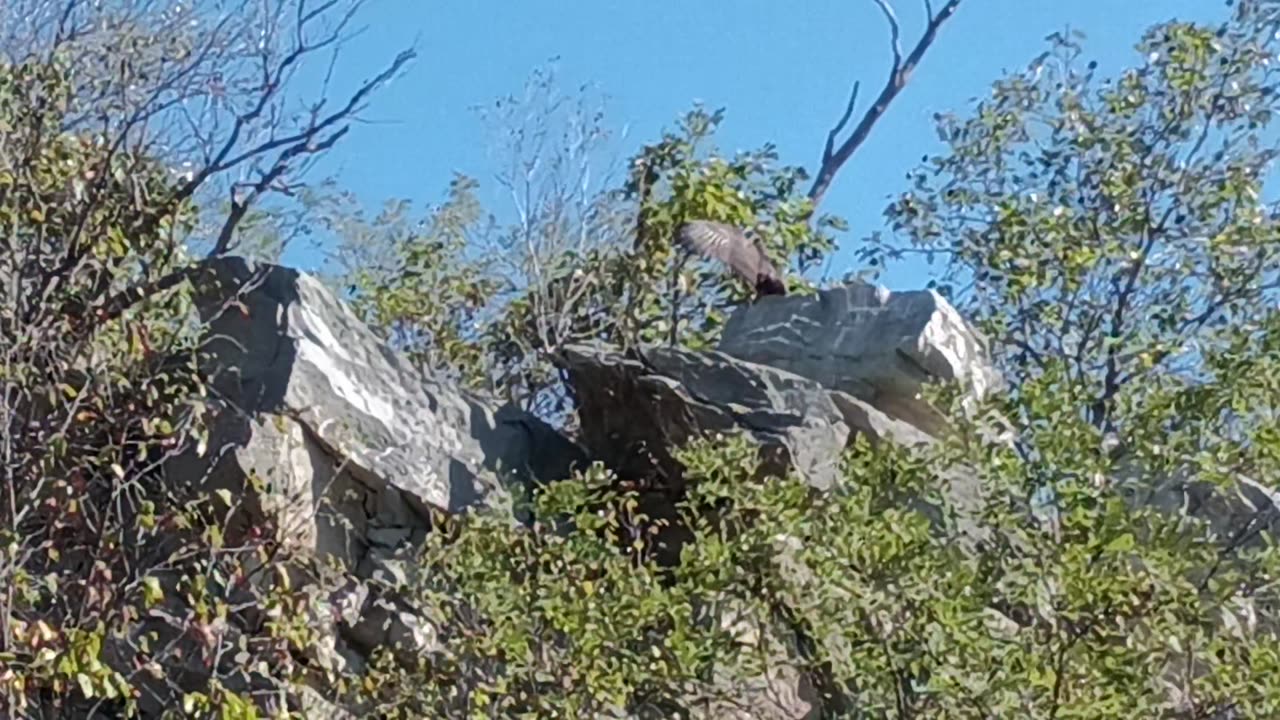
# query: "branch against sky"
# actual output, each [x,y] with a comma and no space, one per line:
[833,158]
[215,90]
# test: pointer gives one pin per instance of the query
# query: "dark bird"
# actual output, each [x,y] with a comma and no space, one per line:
[730,245]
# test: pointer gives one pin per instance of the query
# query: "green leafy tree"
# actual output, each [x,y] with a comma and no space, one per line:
[123,589]
[590,257]
[1120,224]
[497,301]
[523,283]
[1114,608]
[430,292]
[544,623]
[683,178]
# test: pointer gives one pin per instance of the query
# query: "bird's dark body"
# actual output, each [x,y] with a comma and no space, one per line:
[766,285]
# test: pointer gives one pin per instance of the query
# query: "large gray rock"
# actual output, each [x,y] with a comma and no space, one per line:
[284,344]
[338,448]
[636,409]
[875,345]
[802,374]
[1243,512]
[351,443]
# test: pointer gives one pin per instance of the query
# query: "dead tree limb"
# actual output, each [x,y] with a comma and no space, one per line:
[308,141]
[834,158]
[245,85]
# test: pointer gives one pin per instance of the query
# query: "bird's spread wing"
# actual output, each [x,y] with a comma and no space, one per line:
[729,245]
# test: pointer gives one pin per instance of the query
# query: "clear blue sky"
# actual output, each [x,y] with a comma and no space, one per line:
[782,70]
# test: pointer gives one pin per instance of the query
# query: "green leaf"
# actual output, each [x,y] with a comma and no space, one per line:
[152,593]
[1121,543]
[86,685]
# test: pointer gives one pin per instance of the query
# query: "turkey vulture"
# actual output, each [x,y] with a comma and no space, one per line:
[731,246]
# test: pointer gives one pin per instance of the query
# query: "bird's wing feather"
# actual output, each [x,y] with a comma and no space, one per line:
[766,266]
[727,244]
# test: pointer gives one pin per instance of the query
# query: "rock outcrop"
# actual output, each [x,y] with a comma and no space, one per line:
[351,445]
[283,345]
[802,374]
[869,343]
[636,408]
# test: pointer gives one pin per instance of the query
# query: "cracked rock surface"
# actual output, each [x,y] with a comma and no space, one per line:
[803,375]
[353,444]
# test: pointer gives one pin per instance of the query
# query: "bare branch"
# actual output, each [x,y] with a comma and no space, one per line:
[844,119]
[241,206]
[353,105]
[899,74]
[305,142]
[895,32]
[248,142]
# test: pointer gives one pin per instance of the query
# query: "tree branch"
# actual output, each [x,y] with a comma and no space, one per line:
[240,207]
[318,135]
[899,74]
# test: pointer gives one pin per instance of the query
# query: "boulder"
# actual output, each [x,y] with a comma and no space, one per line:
[875,345]
[802,375]
[339,446]
[635,409]
[282,344]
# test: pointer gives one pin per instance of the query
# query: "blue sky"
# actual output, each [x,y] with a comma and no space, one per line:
[782,70]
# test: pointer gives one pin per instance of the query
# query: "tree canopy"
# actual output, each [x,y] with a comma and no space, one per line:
[1114,237]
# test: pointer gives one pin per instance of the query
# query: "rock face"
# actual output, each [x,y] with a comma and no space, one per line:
[801,374]
[316,403]
[635,409]
[353,445]
[863,340]
[286,346]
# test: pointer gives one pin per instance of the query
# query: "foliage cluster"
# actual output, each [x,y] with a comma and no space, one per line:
[124,589]
[1108,553]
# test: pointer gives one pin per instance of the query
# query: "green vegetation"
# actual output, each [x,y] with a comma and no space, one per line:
[1111,235]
